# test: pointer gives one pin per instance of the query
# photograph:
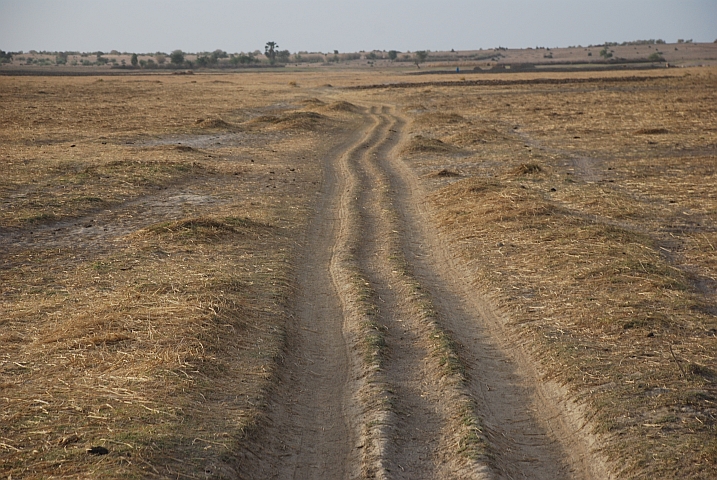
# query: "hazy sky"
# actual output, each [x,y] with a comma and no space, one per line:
[325,25]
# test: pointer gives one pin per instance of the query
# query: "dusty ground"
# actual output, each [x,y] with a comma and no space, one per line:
[274,276]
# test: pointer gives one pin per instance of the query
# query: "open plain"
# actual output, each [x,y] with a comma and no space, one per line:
[359,274]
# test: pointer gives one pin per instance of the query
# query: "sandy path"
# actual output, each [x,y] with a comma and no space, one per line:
[313,418]
[372,223]
[415,445]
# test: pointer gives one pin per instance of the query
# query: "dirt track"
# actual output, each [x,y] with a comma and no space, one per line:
[446,394]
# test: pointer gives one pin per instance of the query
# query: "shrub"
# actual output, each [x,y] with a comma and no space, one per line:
[283,56]
[177,57]
[605,53]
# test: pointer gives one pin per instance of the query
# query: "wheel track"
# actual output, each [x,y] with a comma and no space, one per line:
[533,429]
[431,413]
[374,384]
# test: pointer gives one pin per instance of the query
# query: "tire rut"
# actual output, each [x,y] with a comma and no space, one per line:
[317,418]
[374,382]
[533,429]
[430,412]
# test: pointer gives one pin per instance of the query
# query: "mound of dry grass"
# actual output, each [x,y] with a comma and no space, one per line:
[530,168]
[310,121]
[205,228]
[212,123]
[438,118]
[445,173]
[651,131]
[343,106]
[420,144]
[313,102]
[472,137]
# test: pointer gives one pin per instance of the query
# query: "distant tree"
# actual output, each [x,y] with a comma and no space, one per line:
[270,51]
[336,52]
[134,61]
[160,58]
[60,58]
[243,58]
[421,56]
[177,57]
[605,53]
[656,57]
[283,56]
[203,61]
[392,55]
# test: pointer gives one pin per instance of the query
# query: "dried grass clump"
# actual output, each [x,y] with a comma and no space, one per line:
[438,118]
[445,173]
[651,131]
[530,168]
[204,228]
[211,123]
[310,121]
[313,102]
[343,106]
[467,138]
[421,144]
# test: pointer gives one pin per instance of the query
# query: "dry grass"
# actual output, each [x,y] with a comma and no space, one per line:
[342,106]
[310,121]
[598,243]
[421,144]
[145,270]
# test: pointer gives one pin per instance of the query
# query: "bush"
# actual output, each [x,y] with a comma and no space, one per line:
[283,56]
[243,59]
[177,57]
[605,53]
[5,57]
[656,57]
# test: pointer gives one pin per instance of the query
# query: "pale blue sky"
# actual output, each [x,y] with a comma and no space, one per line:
[325,25]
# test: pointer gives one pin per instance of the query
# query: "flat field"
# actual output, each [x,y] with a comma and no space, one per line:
[359,274]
